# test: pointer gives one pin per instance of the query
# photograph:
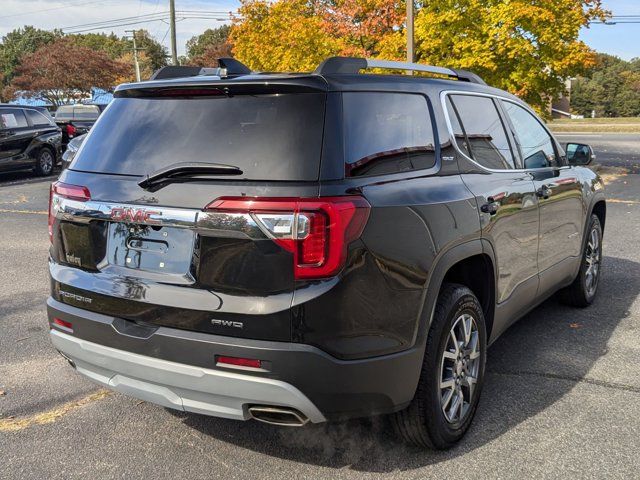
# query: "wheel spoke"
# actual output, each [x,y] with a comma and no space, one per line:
[466,327]
[448,383]
[455,341]
[449,355]
[470,382]
[447,398]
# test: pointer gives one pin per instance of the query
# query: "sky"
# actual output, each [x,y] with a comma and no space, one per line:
[622,40]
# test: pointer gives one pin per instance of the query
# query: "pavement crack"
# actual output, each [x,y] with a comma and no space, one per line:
[570,378]
[50,416]
[30,212]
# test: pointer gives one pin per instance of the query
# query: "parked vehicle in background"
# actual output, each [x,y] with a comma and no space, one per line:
[299,248]
[29,139]
[72,148]
[75,120]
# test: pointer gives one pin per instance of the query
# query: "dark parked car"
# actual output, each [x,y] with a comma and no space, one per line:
[311,247]
[29,139]
[76,120]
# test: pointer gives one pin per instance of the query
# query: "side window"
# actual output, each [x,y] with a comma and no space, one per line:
[534,141]
[459,136]
[386,133]
[486,136]
[12,118]
[37,119]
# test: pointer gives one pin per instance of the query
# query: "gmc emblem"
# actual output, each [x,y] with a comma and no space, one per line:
[134,215]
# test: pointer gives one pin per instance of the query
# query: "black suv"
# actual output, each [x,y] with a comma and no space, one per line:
[29,139]
[311,247]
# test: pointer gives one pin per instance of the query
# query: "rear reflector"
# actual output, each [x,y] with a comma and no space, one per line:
[64,190]
[317,231]
[71,131]
[238,362]
[67,326]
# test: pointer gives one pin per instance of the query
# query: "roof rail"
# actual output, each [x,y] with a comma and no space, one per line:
[228,67]
[352,65]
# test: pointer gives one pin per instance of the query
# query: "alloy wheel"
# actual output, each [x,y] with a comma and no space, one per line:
[46,161]
[459,369]
[592,259]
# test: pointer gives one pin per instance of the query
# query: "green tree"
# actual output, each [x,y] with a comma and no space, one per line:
[111,44]
[211,37]
[19,42]
[611,88]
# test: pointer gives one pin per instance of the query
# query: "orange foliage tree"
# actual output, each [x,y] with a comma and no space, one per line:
[62,71]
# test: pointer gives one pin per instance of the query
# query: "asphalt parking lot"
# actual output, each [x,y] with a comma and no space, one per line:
[562,395]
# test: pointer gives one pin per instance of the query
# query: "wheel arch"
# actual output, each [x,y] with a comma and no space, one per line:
[461,264]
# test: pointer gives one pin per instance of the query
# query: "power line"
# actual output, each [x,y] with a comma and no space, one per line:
[61,7]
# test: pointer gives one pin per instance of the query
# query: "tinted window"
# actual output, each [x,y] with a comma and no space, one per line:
[269,137]
[37,118]
[89,112]
[486,135]
[534,141]
[64,113]
[458,133]
[12,118]
[387,133]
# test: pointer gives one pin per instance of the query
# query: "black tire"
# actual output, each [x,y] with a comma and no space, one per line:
[423,422]
[45,161]
[582,292]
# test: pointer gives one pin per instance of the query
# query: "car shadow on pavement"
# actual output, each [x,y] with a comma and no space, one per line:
[556,345]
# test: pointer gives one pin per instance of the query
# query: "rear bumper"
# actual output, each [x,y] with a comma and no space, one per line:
[179,386]
[177,369]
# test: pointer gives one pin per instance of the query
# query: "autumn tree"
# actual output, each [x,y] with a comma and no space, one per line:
[526,47]
[285,35]
[19,42]
[63,70]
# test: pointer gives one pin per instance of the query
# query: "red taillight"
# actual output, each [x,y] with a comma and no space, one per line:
[71,131]
[238,362]
[68,326]
[64,190]
[316,230]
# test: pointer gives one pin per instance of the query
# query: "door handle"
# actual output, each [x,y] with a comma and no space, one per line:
[544,192]
[491,207]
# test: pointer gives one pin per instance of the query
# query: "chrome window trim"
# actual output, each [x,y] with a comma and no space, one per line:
[443,103]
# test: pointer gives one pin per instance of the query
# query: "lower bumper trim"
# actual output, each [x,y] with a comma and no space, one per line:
[179,386]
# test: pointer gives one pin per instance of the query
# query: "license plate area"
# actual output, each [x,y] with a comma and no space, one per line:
[151,249]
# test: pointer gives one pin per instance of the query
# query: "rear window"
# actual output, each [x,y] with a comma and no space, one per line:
[387,133]
[269,137]
[89,112]
[65,112]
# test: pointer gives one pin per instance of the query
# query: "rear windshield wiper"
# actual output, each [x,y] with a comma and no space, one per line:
[184,172]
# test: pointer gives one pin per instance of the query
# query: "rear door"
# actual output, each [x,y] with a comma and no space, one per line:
[559,193]
[505,196]
[15,137]
[207,252]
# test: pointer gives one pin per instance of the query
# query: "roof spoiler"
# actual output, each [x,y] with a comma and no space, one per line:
[228,67]
[352,65]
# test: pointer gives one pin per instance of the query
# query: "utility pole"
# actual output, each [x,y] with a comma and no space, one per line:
[410,47]
[172,21]
[135,53]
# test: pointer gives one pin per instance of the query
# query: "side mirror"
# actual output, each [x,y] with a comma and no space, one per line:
[579,154]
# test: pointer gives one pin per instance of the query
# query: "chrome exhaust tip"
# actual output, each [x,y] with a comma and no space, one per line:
[282,416]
